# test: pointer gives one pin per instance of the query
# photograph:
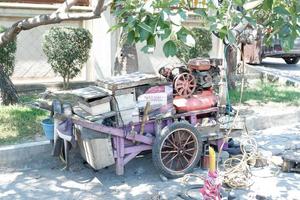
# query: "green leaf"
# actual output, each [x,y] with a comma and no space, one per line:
[201,12]
[231,37]
[146,27]
[181,35]
[223,32]
[174,2]
[130,37]
[164,15]
[151,41]
[169,48]
[144,35]
[182,14]
[166,34]
[115,27]
[251,20]
[281,10]
[239,2]
[267,4]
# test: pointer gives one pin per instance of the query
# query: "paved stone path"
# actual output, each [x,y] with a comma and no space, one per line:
[141,181]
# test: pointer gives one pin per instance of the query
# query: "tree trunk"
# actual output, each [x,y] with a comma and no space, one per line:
[8,91]
[56,17]
[231,60]
[64,83]
[68,82]
[126,61]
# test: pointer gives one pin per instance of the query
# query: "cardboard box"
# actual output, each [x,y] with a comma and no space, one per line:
[160,98]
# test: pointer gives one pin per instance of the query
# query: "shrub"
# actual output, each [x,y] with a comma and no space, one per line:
[8,55]
[67,50]
[203,45]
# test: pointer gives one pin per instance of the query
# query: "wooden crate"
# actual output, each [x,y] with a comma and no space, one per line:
[128,81]
[95,148]
[93,100]
[130,115]
[96,107]
[126,98]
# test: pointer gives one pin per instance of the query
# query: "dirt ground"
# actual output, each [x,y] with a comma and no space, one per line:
[47,180]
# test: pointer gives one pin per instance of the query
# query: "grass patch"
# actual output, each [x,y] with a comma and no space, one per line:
[20,123]
[28,97]
[268,93]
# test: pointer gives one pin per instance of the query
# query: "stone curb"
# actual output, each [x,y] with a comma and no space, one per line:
[20,154]
[267,121]
[254,73]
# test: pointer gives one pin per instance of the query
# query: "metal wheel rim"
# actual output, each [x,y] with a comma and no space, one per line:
[185,84]
[184,155]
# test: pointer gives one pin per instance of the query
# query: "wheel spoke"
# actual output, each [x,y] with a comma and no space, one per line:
[179,138]
[181,163]
[167,146]
[191,149]
[190,142]
[177,162]
[188,154]
[187,140]
[169,151]
[185,92]
[174,145]
[166,156]
[172,159]
[185,159]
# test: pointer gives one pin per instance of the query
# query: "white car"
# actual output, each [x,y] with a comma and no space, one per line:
[276,51]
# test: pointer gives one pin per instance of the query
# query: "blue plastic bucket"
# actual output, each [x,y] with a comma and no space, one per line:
[48,127]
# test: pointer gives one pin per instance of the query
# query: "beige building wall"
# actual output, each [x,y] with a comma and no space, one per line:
[31,63]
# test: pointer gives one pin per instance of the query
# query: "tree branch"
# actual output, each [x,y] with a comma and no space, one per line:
[58,16]
[66,6]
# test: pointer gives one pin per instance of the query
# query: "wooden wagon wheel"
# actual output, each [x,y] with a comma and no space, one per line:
[177,149]
[185,84]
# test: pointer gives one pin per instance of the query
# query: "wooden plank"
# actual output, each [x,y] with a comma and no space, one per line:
[91,92]
[96,102]
[118,132]
[127,81]
[82,113]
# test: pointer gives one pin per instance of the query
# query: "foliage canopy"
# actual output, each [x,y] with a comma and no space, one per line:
[203,44]
[148,21]
[8,55]
[67,50]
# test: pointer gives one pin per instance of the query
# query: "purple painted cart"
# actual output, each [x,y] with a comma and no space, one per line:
[175,141]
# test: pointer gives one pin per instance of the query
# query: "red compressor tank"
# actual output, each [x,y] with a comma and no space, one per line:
[201,101]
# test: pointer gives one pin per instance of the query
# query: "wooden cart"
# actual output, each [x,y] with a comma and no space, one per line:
[176,141]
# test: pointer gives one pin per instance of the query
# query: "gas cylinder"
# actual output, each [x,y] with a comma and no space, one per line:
[200,101]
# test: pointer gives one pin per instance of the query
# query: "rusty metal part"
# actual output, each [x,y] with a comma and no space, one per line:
[185,84]
[199,64]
